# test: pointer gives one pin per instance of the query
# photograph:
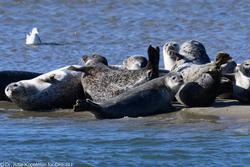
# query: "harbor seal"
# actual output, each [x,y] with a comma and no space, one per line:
[135,62]
[201,82]
[170,52]
[150,98]
[56,89]
[200,93]
[94,59]
[7,77]
[101,82]
[241,86]
[192,51]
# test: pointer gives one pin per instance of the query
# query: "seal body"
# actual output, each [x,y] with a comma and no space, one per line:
[7,77]
[199,93]
[150,98]
[241,87]
[56,89]
[101,82]
[135,62]
[201,82]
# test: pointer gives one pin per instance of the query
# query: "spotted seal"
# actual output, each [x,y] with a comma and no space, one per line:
[201,82]
[7,77]
[101,82]
[135,62]
[56,89]
[150,98]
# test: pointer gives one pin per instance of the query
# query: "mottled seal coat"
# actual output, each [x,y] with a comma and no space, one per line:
[153,97]
[241,87]
[101,82]
[7,77]
[201,82]
[56,89]
[135,62]
[192,51]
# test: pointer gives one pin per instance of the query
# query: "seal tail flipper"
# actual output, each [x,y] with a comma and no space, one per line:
[89,105]
[85,105]
[153,60]
[222,58]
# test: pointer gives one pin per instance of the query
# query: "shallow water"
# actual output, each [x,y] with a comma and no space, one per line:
[117,29]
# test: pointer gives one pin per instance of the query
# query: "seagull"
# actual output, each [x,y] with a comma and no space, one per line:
[33,37]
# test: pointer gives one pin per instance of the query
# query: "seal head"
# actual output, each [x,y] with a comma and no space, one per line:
[194,51]
[135,62]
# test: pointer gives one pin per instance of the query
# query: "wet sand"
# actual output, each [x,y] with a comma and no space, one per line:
[220,109]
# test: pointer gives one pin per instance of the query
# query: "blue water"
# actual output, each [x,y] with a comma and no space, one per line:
[117,29]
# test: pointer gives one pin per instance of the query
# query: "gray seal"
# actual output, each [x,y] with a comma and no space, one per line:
[135,62]
[7,77]
[56,89]
[201,82]
[151,98]
[101,82]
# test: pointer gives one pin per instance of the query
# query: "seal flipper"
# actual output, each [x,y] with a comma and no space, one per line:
[222,58]
[85,105]
[81,69]
[153,61]
[84,69]
[88,105]
[96,109]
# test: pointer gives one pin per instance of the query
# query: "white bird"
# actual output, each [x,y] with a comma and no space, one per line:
[33,37]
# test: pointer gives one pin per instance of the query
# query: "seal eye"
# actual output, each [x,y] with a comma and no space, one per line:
[173,77]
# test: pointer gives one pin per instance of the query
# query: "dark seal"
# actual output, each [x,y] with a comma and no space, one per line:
[151,98]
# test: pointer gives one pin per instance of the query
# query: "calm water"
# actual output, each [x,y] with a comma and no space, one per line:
[117,29]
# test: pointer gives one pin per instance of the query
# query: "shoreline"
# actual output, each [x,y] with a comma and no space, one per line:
[220,109]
